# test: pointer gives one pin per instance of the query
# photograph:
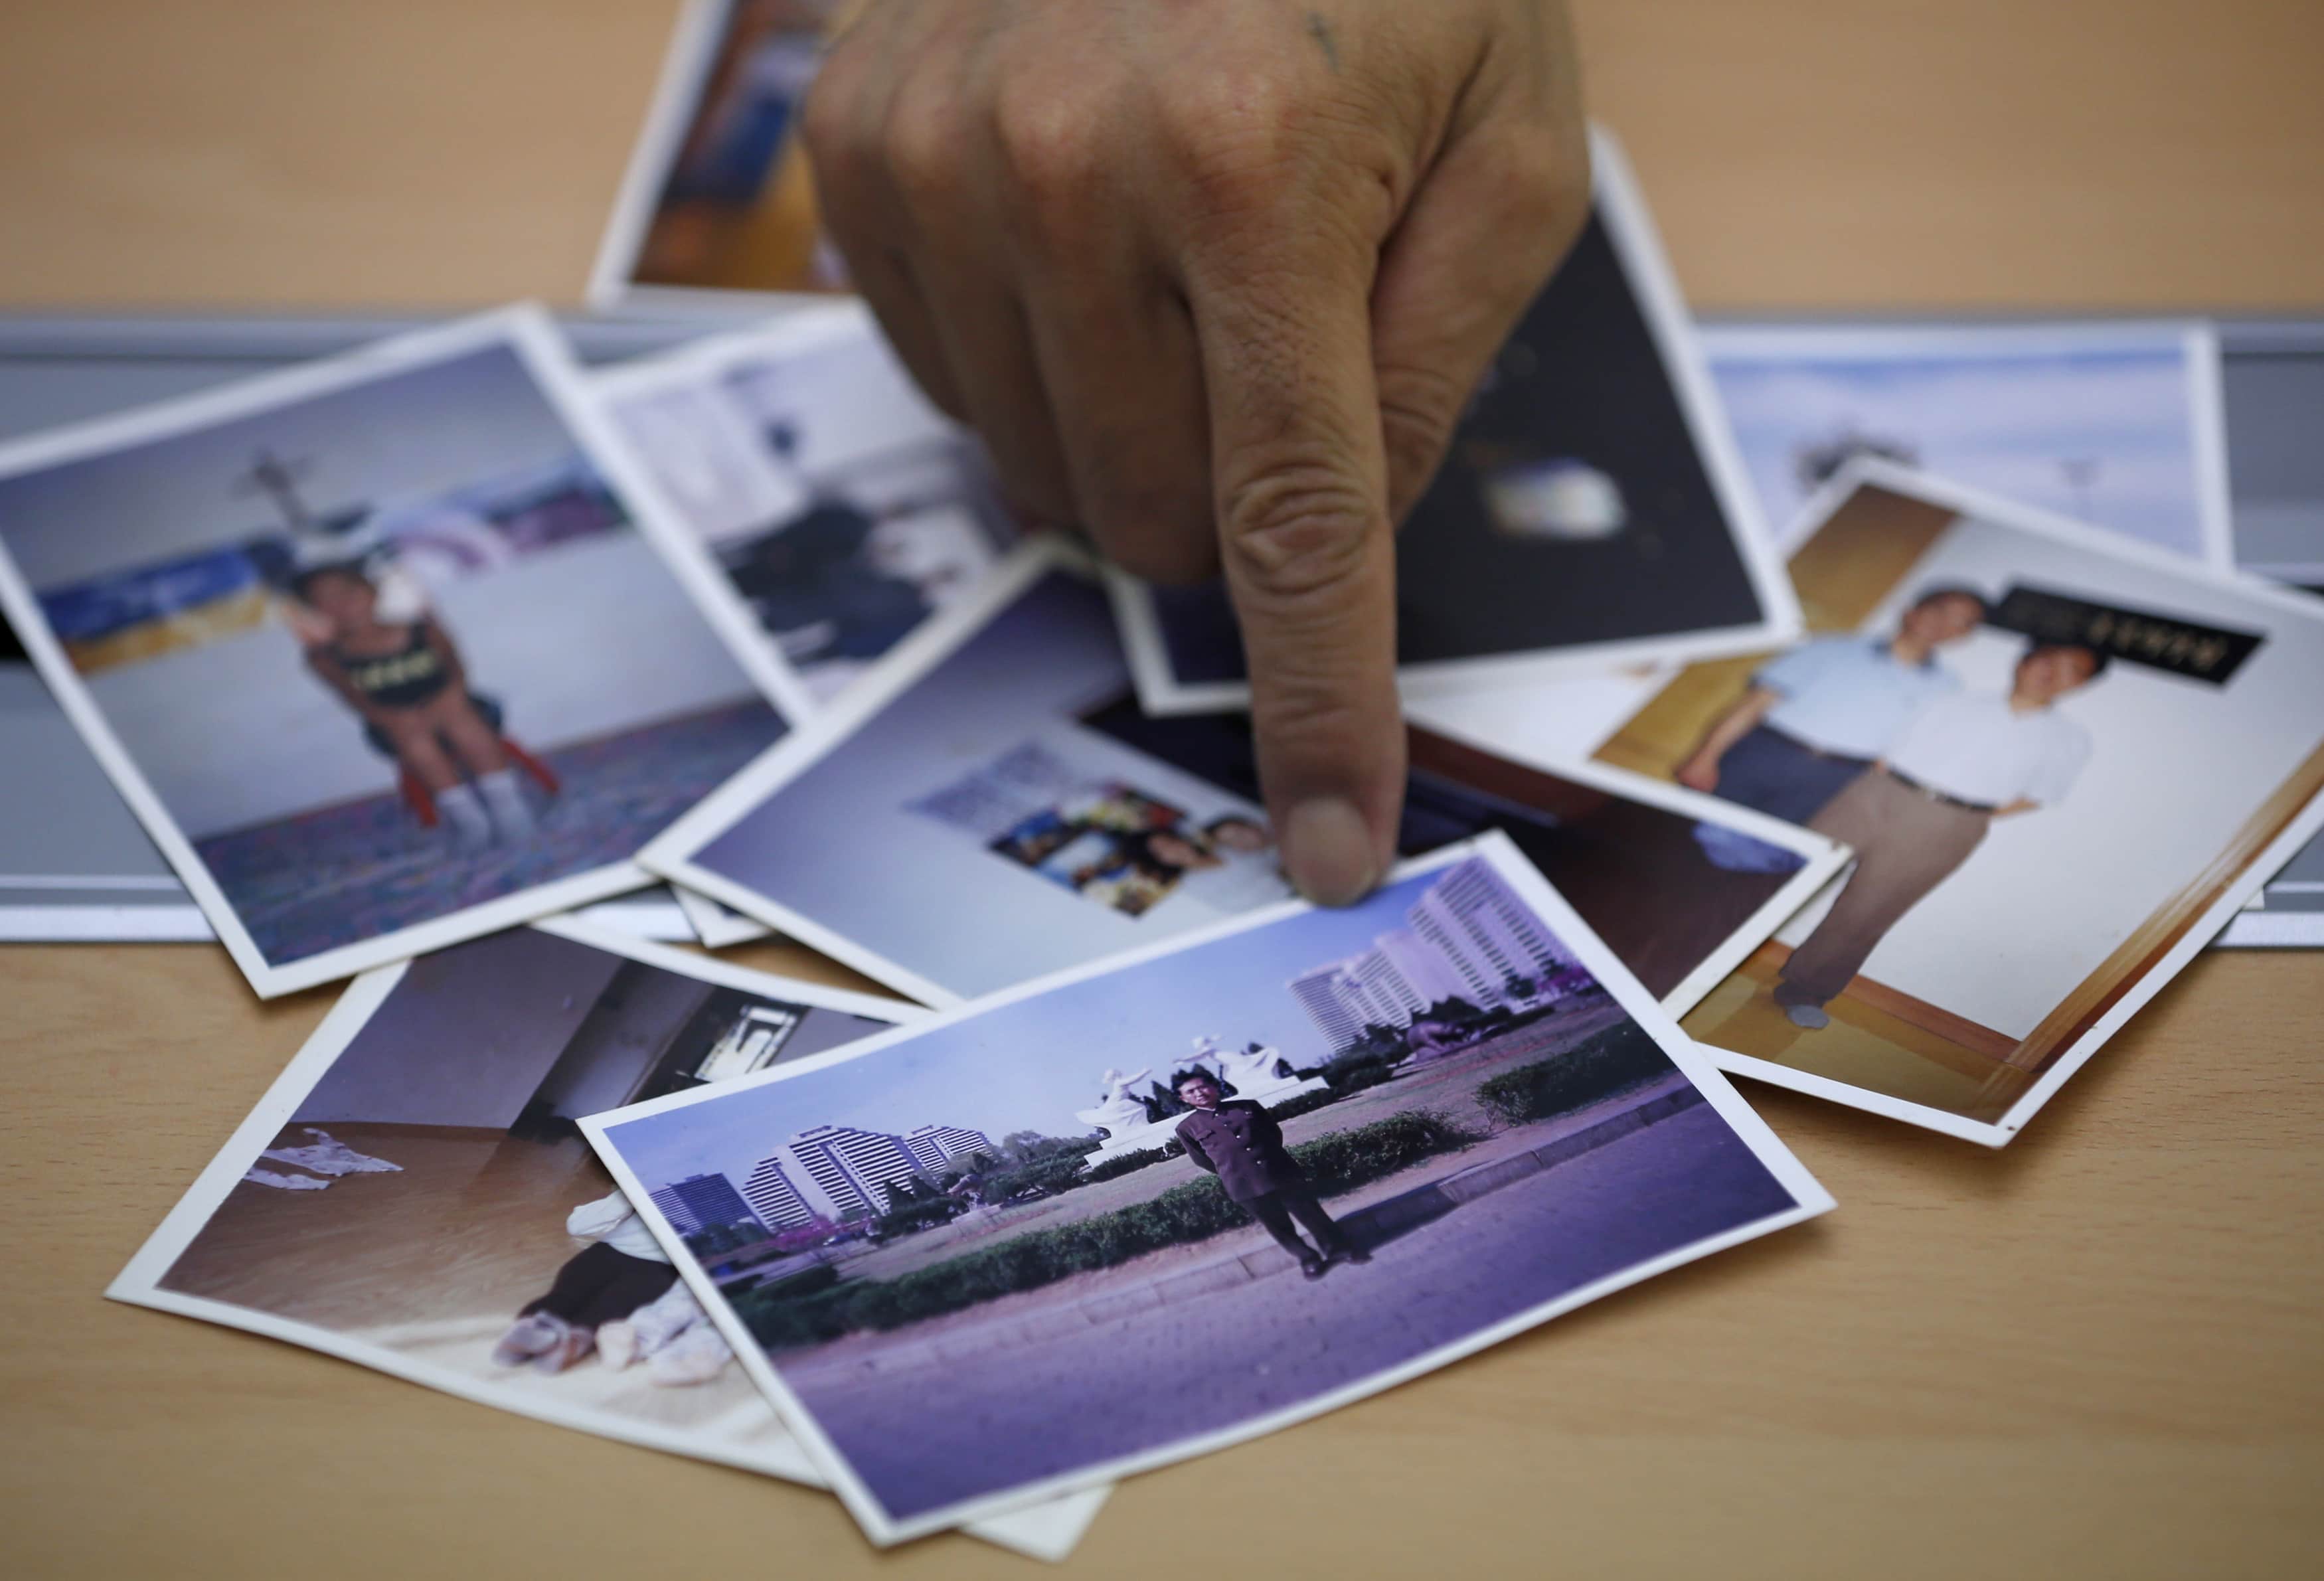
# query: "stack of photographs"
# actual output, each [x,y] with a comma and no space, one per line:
[996,767]
[1100,1311]
[1750,749]
[413,1194]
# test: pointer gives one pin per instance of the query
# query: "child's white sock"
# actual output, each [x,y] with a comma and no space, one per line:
[470,829]
[505,797]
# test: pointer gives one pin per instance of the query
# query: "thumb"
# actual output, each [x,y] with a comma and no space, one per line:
[1301,483]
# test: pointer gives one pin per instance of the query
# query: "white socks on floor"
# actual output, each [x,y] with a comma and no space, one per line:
[505,797]
[470,829]
[464,807]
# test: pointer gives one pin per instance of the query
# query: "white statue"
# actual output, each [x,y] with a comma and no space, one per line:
[1247,1069]
[1117,1112]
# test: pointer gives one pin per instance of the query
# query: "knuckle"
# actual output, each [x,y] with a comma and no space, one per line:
[1543,186]
[828,117]
[924,147]
[1052,139]
[1233,136]
[1299,533]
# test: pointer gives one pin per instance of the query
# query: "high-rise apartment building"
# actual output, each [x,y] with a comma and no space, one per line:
[934,1147]
[852,1167]
[1468,935]
[774,1197]
[699,1201]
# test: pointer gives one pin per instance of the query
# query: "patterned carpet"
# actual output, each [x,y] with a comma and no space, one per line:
[360,869]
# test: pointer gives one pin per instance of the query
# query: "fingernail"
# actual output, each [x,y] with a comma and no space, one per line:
[1327,850]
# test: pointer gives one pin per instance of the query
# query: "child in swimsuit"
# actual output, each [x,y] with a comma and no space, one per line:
[406,682]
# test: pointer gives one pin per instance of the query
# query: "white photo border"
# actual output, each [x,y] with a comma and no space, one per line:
[1630,229]
[527,331]
[1809,1199]
[717,926]
[1976,506]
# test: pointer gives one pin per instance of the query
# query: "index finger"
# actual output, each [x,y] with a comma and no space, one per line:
[1300,477]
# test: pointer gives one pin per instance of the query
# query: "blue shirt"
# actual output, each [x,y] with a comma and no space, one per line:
[1848,695]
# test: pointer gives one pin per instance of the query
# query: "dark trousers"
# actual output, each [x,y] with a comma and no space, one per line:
[599,1284]
[1276,1209]
[1770,773]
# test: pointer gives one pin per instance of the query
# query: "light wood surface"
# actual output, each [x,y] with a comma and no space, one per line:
[2096,1354]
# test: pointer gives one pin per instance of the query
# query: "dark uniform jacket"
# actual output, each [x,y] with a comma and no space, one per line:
[1239,1143]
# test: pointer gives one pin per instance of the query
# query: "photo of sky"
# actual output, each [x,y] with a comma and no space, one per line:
[2104,430]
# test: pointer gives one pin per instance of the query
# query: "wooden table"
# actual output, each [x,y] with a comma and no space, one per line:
[2094,1353]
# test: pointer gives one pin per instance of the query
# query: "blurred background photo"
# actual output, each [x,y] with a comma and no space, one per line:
[385,652]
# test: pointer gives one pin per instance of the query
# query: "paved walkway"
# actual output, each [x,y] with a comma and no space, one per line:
[1100,1385]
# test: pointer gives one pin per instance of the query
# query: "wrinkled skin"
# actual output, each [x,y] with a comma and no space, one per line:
[1214,279]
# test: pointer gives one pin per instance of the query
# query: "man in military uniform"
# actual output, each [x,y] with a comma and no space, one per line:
[1239,1143]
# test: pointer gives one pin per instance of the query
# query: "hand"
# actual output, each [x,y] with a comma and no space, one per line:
[1698,774]
[1214,279]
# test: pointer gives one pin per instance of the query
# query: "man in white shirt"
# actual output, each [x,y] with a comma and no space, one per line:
[1959,763]
[1818,715]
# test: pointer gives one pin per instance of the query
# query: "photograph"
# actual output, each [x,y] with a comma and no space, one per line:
[1591,509]
[385,651]
[998,767]
[833,507]
[1152,1207]
[718,199]
[2117,425]
[2273,375]
[2062,761]
[77,868]
[413,1194]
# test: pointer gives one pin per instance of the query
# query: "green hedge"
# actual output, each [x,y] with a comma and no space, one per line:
[1305,1104]
[1195,1211]
[1127,1162]
[1615,1060]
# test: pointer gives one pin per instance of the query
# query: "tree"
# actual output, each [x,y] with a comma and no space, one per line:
[1022,1148]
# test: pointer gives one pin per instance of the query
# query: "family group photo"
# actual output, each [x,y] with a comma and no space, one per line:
[1168,1203]
[973,776]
